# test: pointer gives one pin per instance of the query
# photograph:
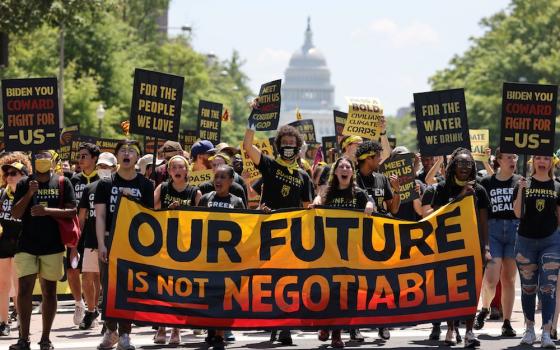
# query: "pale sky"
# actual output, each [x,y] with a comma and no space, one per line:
[385,49]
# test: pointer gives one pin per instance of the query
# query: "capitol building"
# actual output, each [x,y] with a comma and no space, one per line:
[307,86]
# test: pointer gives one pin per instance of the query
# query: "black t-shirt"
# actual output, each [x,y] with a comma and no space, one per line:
[79,181]
[235,189]
[283,189]
[541,200]
[87,202]
[168,195]
[444,195]
[501,197]
[428,195]
[340,199]
[11,227]
[378,187]
[40,234]
[211,200]
[108,191]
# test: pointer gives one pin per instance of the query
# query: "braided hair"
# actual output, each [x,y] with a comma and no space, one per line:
[452,166]
[333,184]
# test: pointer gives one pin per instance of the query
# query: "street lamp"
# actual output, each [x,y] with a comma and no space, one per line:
[100,112]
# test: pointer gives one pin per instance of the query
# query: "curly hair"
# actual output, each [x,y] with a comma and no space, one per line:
[368,147]
[333,184]
[452,166]
[287,130]
[10,158]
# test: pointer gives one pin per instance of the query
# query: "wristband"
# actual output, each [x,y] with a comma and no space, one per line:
[383,133]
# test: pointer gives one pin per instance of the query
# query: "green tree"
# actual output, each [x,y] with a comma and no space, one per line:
[519,44]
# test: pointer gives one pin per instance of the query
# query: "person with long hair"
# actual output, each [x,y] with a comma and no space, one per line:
[342,192]
[175,194]
[460,180]
[14,167]
[502,232]
[537,205]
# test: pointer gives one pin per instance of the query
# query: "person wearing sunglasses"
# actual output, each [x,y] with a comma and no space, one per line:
[460,180]
[14,167]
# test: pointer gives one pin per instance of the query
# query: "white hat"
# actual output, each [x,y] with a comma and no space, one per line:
[146,160]
[107,158]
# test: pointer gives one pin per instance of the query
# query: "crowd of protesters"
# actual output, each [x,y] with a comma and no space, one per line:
[517,219]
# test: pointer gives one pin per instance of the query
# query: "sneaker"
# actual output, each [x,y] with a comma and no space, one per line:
[495,314]
[21,344]
[471,341]
[4,329]
[13,316]
[479,319]
[210,336]
[436,332]
[273,336]
[546,342]
[45,345]
[228,336]
[90,320]
[161,336]
[218,343]
[553,334]
[507,330]
[529,336]
[450,337]
[285,338]
[79,312]
[175,338]
[110,338]
[323,335]
[124,343]
[384,333]
[356,335]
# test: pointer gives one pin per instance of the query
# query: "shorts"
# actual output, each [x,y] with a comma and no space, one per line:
[501,236]
[91,262]
[48,267]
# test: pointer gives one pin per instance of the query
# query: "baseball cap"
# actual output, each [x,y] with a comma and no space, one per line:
[146,160]
[107,158]
[224,148]
[171,146]
[201,147]
[16,165]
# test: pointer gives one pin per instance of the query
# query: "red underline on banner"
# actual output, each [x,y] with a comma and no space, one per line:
[166,303]
[286,322]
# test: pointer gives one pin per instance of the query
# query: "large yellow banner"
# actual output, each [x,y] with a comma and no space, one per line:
[294,268]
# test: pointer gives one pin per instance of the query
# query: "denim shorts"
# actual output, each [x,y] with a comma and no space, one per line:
[501,236]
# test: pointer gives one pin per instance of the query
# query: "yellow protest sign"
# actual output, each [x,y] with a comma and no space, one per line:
[248,165]
[480,141]
[364,118]
[200,176]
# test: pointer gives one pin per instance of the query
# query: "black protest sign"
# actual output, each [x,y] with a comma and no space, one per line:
[187,139]
[402,165]
[528,118]
[156,104]
[149,146]
[68,134]
[30,114]
[267,115]
[307,130]
[441,120]
[105,145]
[209,123]
[329,143]
[339,122]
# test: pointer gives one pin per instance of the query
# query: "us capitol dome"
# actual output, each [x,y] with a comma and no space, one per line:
[307,86]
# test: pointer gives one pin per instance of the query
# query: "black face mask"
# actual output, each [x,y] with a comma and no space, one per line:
[289,152]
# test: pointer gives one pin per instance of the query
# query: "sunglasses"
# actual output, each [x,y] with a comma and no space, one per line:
[12,173]
[464,164]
